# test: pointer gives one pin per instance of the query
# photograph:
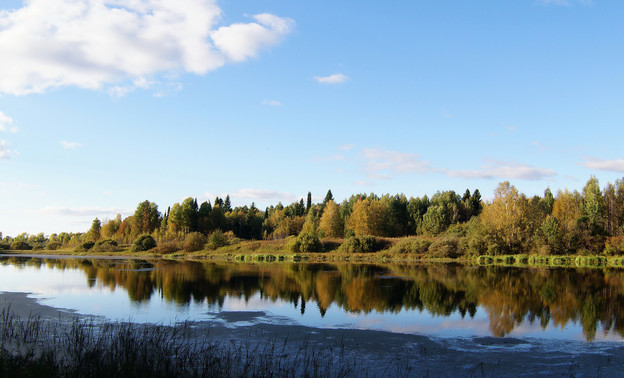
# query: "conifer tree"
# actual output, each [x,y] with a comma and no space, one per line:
[328,197]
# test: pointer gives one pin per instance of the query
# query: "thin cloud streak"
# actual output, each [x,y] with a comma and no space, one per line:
[5,152]
[377,160]
[248,194]
[516,171]
[6,124]
[336,78]
[616,165]
[84,211]
[70,145]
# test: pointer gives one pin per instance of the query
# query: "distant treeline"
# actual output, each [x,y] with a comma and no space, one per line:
[589,222]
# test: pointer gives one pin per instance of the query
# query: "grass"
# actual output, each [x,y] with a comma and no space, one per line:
[36,347]
[396,250]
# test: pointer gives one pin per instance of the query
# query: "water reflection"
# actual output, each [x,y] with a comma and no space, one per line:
[512,298]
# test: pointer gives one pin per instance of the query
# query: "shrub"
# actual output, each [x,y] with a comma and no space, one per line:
[21,246]
[53,246]
[168,247]
[194,241]
[143,243]
[411,245]
[360,244]
[84,247]
[305,243]
[217,239]
[445,247]
[4,246]
[106,246]
[614,246]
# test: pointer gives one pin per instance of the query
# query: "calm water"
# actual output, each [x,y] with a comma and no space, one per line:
[439,300]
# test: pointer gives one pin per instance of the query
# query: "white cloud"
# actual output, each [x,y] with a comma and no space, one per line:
[336,78]
[271,103]
[123,90]
[346,147]
[377,160]
[504,170]
[6,124]
[90,44]
[70,145]
[616,165]
[238,42]
[5,153]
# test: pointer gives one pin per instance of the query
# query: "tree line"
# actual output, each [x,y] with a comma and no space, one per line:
[590,221]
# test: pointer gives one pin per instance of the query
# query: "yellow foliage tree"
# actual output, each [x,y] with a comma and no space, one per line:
[369,217]
[505,217]
[331,224]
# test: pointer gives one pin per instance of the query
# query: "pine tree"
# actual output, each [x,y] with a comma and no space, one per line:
[309,202]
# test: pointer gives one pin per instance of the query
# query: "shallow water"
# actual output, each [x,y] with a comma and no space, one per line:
[447,301]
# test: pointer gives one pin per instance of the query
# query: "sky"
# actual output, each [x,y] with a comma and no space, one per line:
[107,103]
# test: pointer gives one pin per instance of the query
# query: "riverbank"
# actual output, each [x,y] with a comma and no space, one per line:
[240,342]
[276,251]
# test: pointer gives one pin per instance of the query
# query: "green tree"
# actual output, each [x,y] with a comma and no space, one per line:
[416,209]
[94,231]
[593,209]
[227,205]
[309,202]
[146,218]
[189,213]
[328,197]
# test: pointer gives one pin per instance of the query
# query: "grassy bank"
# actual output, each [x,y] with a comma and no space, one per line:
[394,250]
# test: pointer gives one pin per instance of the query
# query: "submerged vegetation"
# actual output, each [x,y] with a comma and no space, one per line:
[447,226]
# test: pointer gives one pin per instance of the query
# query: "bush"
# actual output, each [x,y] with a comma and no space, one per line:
[194,242]
[216,239]
[106,246]
[53,246]
[360,244]
[21,246]
[305,243]
[614,246]
[4,246]
[168,247]
[446,247]
[411,245]
[84,247]
[143,243]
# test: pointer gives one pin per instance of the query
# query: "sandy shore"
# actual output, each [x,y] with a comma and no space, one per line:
[390,354]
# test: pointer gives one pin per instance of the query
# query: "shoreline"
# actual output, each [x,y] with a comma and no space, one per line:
[380,352]
[517,261]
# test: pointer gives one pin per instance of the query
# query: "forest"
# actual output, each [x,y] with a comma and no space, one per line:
[448,224]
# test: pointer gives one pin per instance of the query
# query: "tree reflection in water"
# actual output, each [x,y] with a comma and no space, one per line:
[510,296]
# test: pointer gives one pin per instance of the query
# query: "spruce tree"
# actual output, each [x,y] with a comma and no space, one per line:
[328,197]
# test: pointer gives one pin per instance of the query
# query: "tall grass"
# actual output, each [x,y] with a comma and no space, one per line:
[34,346]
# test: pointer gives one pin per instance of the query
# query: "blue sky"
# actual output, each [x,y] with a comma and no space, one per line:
[106,103]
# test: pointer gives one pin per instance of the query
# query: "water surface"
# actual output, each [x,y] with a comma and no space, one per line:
[433,300]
